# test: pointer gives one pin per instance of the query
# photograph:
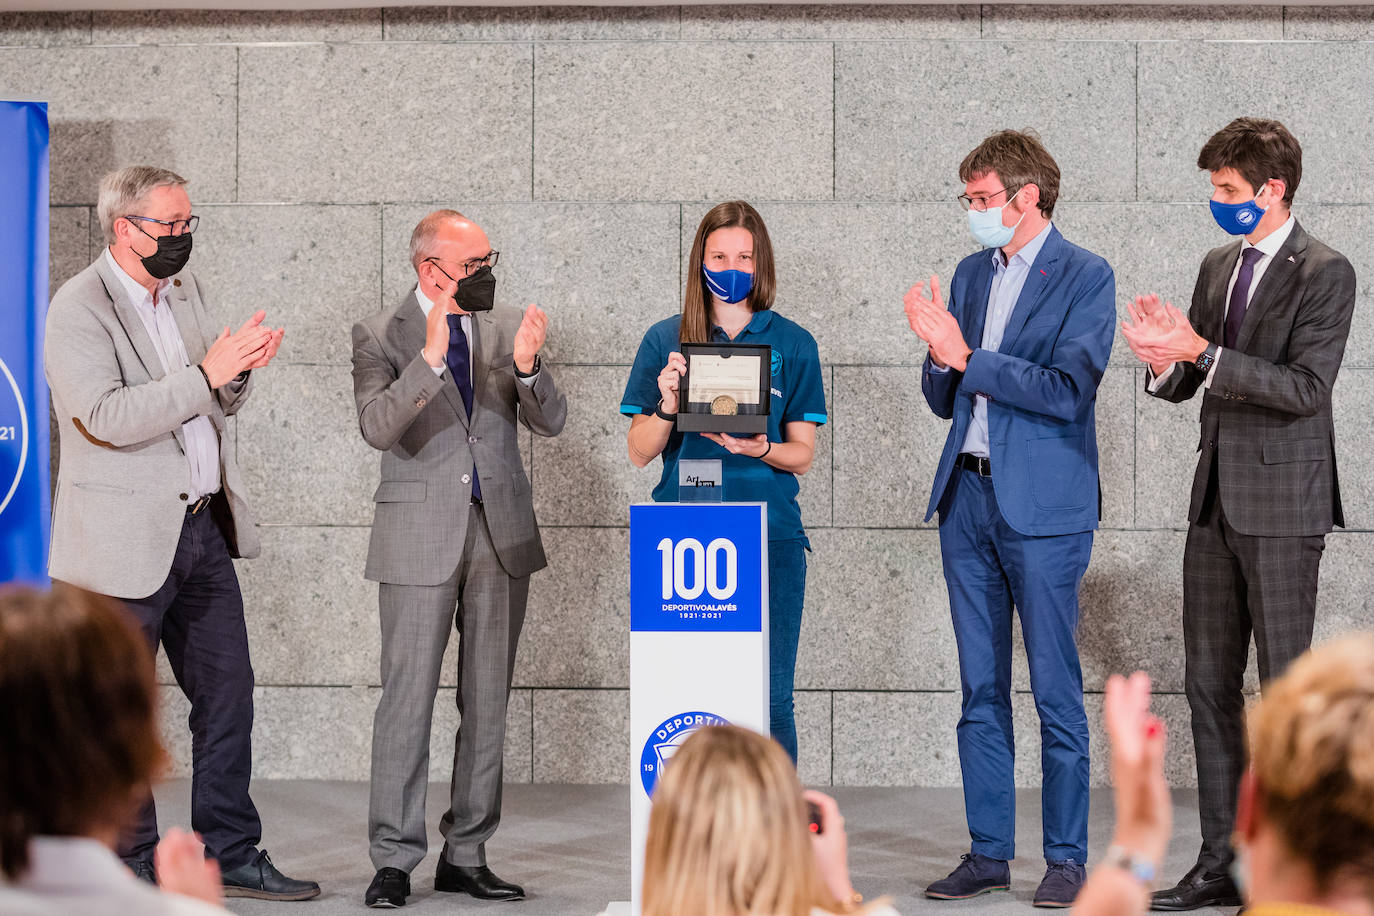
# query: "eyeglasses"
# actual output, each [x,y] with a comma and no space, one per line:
[174,226]
[472,265]
[981,203]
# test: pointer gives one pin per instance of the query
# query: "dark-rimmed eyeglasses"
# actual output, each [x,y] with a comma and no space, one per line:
[981,202]
[471,265]
[174,226]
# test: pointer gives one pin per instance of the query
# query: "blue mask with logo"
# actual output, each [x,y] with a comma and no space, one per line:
[728,285]
[988,231]
[1237,219]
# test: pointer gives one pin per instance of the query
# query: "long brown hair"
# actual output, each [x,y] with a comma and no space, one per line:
[696,302]
[78,715]
[727,832]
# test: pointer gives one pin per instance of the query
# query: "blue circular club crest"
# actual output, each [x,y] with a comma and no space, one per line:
[666,739]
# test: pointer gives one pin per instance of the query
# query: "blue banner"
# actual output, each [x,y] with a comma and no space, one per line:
[697,567]
[24,444]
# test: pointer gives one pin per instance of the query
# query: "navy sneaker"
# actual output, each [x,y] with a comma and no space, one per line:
[1062,882]
[975,875]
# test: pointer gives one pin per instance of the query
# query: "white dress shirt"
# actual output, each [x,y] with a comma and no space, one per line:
[202,442]
[78,876]
[465,322]
[1268,247]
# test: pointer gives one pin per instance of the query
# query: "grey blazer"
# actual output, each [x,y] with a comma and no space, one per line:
[1267,417]
[123,479]
[430,445]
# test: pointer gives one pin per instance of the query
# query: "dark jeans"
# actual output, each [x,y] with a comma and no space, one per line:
[197,616]
[786,595]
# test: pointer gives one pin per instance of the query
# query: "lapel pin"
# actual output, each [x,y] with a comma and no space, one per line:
[1292,260]
[1043,273]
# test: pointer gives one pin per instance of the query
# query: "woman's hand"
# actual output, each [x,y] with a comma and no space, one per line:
[832,847]
[669,380]
[753,446]
[183,869]
[1144,810]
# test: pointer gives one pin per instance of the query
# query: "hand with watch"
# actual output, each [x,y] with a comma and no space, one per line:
[1144,808]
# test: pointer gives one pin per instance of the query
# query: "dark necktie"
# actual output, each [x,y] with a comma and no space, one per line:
[460,367]
[1240,294]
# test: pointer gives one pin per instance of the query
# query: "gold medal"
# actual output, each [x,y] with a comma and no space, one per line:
[724,406]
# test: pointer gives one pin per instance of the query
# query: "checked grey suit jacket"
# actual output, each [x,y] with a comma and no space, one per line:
[123,478]
[1267,416]
[429,443]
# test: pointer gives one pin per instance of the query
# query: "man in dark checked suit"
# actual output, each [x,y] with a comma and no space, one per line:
[441,382]
[1262,342]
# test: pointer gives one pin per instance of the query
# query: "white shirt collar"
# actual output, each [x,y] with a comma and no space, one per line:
[1271,243]
[72,862]
[138,294]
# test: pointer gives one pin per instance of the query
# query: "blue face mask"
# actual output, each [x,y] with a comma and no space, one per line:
[988,231]
[1238,219]
[728,285]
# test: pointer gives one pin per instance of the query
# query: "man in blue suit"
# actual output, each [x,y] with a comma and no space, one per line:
[1018,497]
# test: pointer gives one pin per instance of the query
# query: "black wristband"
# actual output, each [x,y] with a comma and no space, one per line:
[205,376]
[242,376]
[767,450]
[658,412]
[532,373]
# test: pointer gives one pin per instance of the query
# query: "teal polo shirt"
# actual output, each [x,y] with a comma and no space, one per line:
[798,394]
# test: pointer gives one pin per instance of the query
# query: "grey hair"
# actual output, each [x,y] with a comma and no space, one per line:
[123,189]
[426,231]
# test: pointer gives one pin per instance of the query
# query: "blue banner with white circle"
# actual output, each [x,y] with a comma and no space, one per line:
[24,444]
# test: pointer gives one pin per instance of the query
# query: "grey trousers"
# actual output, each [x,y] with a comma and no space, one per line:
[487,607]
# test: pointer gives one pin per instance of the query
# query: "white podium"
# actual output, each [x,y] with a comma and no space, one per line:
[698,637]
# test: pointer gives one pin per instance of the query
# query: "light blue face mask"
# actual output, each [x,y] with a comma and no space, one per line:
[728,285]
[988,231]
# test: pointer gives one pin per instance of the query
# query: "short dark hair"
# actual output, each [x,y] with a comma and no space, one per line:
[1019,158]
[78,706]
[1258,148]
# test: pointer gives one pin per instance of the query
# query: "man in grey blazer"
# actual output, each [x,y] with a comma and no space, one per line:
[441,382]
[149,505]
[1262,342]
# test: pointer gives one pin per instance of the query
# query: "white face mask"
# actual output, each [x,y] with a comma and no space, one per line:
[987,229]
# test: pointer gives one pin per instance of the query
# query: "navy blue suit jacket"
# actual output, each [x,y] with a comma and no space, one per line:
[1041,386]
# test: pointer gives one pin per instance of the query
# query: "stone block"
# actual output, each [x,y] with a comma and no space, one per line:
[301,136]
[110,108]
[877,613]
[581,736]
[570,259]
[812,711]
[303,459]
[316,629]
[817,484]
[1328,23]
[1334,148]
[841,21]
[44,29]
[887,445]
[1166,456]
[313,269]
[896,738]
[907,113]
[1344,591]
[1350,230]
[584,475]
[199,27]
[69,243]
[459,23]
[607,23]
[1350,401]
[1116,447]
[608,126]
[1127,22]
[577,629]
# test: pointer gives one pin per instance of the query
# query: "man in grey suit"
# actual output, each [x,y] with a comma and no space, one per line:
[441,382]
[149,505]
[1263,342]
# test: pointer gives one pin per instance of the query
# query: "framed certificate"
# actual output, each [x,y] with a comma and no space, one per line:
[725,388]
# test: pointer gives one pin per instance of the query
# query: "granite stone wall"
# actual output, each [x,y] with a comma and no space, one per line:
[589,142]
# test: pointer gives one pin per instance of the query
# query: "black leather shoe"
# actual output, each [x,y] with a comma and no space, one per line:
[389,889]
[475,880]
[142,869]
[260,880]
[1198,888]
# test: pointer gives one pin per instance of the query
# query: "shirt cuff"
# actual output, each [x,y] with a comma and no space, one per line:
[1157,380]
[438,370]
[938,370]
[527,380]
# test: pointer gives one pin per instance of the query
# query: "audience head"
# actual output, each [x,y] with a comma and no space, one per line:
[728,833]
[1309,797]
[78,715]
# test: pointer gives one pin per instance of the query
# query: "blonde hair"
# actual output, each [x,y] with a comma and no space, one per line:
[727,832]
[1312,740]
[124,190]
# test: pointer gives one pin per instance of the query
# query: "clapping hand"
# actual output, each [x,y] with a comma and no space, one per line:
[269,352]
[1159,334]
[933,323]
[533,331]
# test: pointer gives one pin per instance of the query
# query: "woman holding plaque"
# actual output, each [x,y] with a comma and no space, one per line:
[729,299]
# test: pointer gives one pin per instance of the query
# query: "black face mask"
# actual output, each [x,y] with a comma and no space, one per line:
[173,251]
[475,293]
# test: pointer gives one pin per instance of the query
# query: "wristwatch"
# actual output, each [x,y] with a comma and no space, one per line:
[1206,358]
[659,412]
[1142,869]
[534,370]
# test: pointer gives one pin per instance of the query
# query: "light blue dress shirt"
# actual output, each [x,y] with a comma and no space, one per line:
[1008,279]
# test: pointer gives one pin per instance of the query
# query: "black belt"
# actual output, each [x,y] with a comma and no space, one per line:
[200,505]
[980,466]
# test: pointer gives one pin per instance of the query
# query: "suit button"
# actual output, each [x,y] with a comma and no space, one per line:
[466,478]
[184,497]
[472,440]
[420,402]
[176,282]
[1211,443]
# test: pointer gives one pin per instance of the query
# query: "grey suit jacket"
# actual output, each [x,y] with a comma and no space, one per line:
[1267,417]
[430,444]
[123,479]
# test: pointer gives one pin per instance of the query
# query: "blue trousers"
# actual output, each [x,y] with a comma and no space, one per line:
[989,567]
[786,595]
